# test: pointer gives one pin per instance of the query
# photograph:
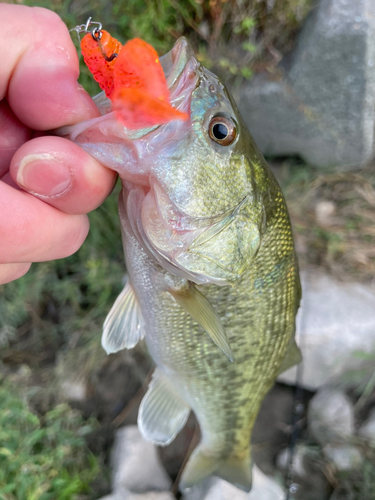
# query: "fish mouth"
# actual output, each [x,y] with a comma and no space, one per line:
[180,68]
[130,152]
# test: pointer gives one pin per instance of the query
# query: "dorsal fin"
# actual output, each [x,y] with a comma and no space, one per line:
[199,308]
[123,327]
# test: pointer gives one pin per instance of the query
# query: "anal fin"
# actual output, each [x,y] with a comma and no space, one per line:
[162,413]
[123,327]
[199,308]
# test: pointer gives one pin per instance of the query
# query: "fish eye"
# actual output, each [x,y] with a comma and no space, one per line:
[222,130]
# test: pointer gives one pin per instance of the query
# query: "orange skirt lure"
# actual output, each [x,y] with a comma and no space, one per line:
[100,57]
[132,77]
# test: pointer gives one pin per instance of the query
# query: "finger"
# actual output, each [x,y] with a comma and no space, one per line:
[12,135]
[7,179]
[39,67]
[32,231]
[60,173]
[11,272]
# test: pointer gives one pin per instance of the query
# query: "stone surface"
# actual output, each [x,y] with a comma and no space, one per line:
[321,104]
[122,494]
[344,457]
[330,416]
[335,321]
[264,488]
[283,458]
[135,463]
[367,429]
[324,212]
[74,390]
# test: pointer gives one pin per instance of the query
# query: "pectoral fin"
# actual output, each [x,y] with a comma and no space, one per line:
[202,311]
[123,327]
[162,413]
[292,357]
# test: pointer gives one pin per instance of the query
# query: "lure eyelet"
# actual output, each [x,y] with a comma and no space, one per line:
[222,130]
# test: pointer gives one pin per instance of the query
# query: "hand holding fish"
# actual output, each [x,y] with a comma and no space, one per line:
[60,182]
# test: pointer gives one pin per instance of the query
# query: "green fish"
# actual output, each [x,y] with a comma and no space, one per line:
[213,282]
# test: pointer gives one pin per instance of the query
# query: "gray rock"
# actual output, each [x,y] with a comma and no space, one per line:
[74,390]
[324,212]
[321,105]
[367,430]
[283,459]
[335,321]
[136,465]
[122,494]
[264,488]
[344,457]
[330,417]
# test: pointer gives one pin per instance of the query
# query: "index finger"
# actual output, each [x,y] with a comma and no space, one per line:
[39,69]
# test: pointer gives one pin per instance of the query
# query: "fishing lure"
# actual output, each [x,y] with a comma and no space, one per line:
[100,51]
[131,76]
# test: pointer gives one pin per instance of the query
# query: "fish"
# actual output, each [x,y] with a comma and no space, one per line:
[213,283]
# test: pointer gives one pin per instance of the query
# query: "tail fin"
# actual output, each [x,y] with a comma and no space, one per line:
[201,465]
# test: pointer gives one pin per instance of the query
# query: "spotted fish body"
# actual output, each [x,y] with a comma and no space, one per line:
[213,277]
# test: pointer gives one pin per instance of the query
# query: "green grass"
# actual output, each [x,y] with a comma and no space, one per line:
[42,458]
[357,484]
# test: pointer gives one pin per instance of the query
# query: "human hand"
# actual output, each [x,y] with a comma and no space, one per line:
[47,184]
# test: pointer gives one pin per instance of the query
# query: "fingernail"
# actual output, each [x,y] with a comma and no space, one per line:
[42,174]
